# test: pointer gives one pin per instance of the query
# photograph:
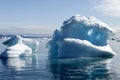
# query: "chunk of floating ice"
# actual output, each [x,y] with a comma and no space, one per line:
[16,48]
[32,43]
[81,37]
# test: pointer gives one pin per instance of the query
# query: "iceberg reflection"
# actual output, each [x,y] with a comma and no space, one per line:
[81,69]
[18,63]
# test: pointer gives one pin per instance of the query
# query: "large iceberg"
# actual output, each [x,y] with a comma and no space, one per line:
[16,48]
[81,37]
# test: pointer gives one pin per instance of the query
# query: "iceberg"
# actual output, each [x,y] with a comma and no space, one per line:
[81,37]
[32,43]
[16,48]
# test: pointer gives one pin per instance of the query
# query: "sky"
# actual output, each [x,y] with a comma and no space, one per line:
[43,16]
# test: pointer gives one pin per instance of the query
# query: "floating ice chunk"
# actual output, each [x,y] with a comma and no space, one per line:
[32,43]
[16,48]
[81,37]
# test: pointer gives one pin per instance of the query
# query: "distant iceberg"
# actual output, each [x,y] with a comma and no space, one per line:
[81,37]
[32,43]
[16,48]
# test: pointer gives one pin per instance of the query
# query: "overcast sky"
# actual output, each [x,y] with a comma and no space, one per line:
[50,14]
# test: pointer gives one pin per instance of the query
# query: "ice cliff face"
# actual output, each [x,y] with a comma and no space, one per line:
[81,36]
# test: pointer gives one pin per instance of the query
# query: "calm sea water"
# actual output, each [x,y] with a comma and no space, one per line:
[39,67]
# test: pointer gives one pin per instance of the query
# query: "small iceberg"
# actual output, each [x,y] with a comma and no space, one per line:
[81,37]
[32,43]
[16,48]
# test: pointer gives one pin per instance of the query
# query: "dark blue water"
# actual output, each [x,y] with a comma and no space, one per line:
[39,67]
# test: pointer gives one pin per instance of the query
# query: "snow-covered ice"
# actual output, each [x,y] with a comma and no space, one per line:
[81,37]
[32,43]
[16,48]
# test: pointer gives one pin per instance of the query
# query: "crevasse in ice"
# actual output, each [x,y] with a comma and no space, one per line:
[16,48]
[81,37]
